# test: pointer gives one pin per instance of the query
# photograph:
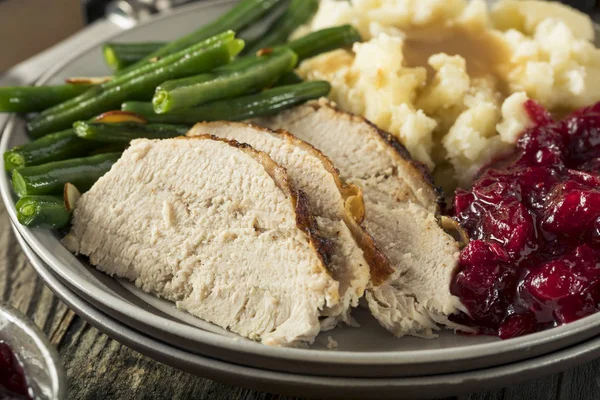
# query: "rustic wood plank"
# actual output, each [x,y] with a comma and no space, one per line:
[582,382]
[93,359]
[495,395]
[542,389]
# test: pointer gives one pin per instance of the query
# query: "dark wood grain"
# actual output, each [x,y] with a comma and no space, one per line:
[100,368]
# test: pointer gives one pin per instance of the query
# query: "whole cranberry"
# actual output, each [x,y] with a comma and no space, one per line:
[486,291]
[479,252]
[555,280]
[538,114]
[544,146]
[510,225]
[574,307]
[518,325]
[571,210]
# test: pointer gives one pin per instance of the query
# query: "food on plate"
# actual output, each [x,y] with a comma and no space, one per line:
[51,178]
[534,256]
[324,40]
[445,77]
[336,206]
[37,98]
[198,83]
[216,227]
[401,213]
[117,117]
[48,211]
[277,234]
[267,102]
[246,75]
[139,83]
[120,55]
[305,47]
[237,18]
[125,132]
[44,211]
[54,147]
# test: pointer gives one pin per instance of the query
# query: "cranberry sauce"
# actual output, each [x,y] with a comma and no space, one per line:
[13,384]
[534,256]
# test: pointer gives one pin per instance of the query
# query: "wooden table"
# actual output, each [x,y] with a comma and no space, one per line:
[100,368]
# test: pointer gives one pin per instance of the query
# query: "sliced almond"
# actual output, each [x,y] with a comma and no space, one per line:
[264,52]
[71,195]
[455,230]
[88,80]
[117,116]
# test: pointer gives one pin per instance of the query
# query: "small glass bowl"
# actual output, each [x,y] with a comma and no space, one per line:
[41,362]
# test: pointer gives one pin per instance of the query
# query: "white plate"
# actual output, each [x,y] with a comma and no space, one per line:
[369,351]
[323,387]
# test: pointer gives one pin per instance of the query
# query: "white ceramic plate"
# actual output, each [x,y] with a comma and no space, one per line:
[367,352]
[323,387]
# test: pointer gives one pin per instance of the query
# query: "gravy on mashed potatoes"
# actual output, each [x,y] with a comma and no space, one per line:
[449,78]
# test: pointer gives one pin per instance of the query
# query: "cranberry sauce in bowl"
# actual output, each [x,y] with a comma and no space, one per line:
[30,366]
[534,257]
[13,384]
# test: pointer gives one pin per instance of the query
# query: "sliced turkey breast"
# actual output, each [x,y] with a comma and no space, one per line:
[336,205]
[401,212]
[216,227]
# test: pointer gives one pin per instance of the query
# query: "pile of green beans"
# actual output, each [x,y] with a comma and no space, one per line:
[170,86]
[230,81]
[54,147]
[323,41]
[202,57]
[24,99]
[51,178]
[305,47]
[124,133]
[267,102]
[121,55]
[239,17]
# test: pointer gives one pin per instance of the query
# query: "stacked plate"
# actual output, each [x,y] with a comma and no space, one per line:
[368,362]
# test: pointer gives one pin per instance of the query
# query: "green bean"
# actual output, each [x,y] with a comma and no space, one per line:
[51,178]
[109,148]
[323,41]
[224,37]
[262,72]
[138,88]
[42,212]
[53,147]
[25,99]
[267,102]
[290,78]
[298,12]
[121,55]
[125,132]
[240,16]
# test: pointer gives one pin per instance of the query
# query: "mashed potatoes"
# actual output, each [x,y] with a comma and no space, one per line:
[449,77]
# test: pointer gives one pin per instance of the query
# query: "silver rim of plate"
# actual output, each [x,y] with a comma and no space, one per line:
[410,387]
[212,341]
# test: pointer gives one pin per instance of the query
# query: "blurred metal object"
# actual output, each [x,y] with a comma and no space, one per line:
[127,13]
[166,4]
